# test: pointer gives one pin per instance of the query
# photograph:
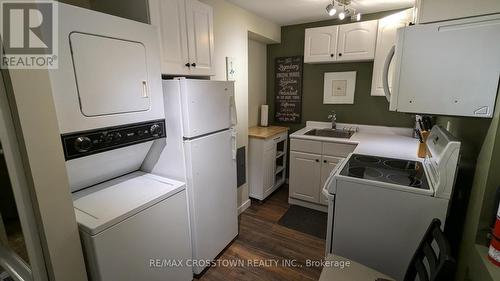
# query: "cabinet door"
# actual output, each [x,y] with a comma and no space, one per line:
[170,18]
[357,41]
[386,38]
[269,167]
[305,176]
[320,44]
[328,163]
[200,37]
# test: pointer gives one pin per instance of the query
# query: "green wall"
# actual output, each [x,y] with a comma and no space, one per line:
[365,110]
[483,135]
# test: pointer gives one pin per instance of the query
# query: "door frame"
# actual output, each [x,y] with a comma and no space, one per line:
[23,199]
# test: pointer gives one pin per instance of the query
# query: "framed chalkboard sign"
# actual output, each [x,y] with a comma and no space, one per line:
[288,89]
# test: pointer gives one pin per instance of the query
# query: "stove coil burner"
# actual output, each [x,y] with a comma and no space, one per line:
[367,159]
[406,180]
[364,172]
[400,164]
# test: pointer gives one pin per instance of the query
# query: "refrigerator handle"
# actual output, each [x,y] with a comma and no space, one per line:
[234,141]
[385,75]
[233,115]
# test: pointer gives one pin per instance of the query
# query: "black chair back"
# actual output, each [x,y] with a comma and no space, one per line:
[433,259]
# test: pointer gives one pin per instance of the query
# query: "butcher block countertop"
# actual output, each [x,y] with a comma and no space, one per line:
[266,132]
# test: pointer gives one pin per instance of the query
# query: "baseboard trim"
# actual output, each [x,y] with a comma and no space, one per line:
[244,206]
[317,207]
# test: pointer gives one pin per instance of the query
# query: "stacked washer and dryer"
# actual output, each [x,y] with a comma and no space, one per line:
[109,102]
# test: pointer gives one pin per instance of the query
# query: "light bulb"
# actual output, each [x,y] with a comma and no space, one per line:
[342,16]
[330,9]
[358,17]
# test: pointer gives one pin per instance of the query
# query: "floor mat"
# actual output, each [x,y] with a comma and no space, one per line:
[305,220]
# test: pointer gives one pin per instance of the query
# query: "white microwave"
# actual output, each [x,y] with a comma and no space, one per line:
[446,68]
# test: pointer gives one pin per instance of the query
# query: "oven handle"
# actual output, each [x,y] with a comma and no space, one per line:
[325,188]
[329,181]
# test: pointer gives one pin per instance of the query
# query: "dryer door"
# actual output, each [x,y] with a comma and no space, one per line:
[94,59]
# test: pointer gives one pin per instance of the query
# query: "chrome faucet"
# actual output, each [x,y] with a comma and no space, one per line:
[333,118]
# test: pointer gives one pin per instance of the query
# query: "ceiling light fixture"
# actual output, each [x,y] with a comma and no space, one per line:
[346,10]
[330,9]
[342,16]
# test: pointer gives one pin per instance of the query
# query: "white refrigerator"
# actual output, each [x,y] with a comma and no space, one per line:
[200,149]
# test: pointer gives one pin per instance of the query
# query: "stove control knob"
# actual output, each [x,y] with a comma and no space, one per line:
[155,129]
[83,144]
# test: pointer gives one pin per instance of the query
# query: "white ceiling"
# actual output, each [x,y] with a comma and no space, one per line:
[286,12]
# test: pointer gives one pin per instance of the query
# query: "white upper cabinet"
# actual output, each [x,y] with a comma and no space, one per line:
[321,44]
[386,38]
[434,11]
[357,41]
[340,43]
[200,37]
[186,36]
[169,17]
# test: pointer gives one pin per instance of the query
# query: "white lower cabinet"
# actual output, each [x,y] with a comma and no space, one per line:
[311,162]
[267,165]
[305,176]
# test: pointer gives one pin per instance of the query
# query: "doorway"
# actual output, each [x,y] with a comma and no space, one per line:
[21,254]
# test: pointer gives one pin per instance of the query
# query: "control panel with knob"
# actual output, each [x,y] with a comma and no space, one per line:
[155,129]
[86,143]
[83,144]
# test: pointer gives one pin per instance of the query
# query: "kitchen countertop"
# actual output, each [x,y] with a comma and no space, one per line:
[370,140]
[266,132]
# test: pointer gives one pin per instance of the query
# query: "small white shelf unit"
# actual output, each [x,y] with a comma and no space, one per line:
[267,165]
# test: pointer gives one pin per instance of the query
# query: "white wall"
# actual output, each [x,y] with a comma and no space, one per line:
[257,69]
[231,27]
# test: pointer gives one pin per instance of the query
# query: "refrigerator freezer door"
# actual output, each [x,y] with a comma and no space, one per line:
[206,106]
[211,177]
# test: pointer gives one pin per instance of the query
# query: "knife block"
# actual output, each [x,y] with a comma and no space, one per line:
[422,147]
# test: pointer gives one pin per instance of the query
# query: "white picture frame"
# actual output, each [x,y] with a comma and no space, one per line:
[230,69]
[339,87]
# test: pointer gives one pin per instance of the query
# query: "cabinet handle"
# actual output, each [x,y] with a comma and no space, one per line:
[340,54]
[317,160]
[193,64]
[324,161]
[331,55]
[187,65]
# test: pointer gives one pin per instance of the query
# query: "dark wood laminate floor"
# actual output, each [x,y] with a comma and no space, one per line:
[262,239]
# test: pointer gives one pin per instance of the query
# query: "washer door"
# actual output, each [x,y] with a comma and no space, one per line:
[94,59]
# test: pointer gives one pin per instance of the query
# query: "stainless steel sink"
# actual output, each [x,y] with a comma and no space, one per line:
[330,133]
